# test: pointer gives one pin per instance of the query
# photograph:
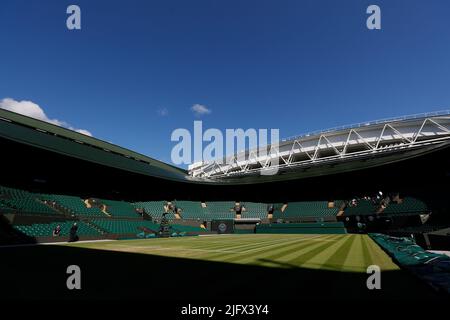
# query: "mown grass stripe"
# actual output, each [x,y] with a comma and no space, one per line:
[365,252]
[202,251]
[355,260]
[317,254]
[237,244]
[280,257]
[257,249]
[293,248]
[293,255]
[205,245]
[337,260]
[379,257]
[295,258]
[272,250]
[268,251]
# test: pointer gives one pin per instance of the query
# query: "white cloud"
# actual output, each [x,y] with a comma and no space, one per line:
[163,112]
[82,131]
[200,109]
[33,110]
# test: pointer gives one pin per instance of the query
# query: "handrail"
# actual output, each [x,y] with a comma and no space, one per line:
[352,126]
[368,123]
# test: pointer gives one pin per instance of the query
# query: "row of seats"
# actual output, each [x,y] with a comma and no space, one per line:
[134,227]
[309,209]
[3,205]
[192,210]
[46,229]
[303,228]
[255,210]
[27,202]
[220,210]
[23,201]
[363,207]
[154,208]
[74,205]
[208,211]
[98,226]
[120,208]
[182,228]
[124,226]
[407,206]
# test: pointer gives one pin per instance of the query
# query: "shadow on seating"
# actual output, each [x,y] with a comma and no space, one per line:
[11,236]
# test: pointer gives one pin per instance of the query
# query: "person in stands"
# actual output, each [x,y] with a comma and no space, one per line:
[73,233]
[237,208]
[57,231]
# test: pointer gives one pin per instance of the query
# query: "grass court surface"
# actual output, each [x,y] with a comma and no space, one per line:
[255,267]
[328,252]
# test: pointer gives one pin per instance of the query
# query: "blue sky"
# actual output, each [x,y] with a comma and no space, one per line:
[133,72]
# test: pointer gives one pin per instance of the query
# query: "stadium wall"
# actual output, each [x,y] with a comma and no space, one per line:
[303,228]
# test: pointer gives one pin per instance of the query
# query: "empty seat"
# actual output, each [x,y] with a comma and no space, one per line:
[120,208]
[23,201]
[46,229]
[318,209]
[74,205]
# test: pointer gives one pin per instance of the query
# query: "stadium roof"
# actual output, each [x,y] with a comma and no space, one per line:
[331,151]
[54,138]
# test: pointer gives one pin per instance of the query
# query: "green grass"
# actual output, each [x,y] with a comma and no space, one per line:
[347,253]
[255,267]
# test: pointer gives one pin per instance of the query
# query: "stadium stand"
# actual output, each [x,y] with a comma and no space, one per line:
[73,205]
[278,209]
[124,226]
[304,228]
[23,201]
[46,229]
[116,226]
[192,210]
[254,210]
[154,208]
[407,206]
[3,206]
[100,217]
[318,209]
[363,207]
[186,229]
[120,208]
[220,210]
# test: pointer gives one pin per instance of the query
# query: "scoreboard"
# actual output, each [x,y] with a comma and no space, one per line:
[222,226]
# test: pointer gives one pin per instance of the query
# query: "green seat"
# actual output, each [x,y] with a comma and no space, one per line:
[316,209]
[120,208]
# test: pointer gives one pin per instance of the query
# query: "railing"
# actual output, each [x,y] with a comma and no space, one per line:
[344,127]
[240,171]
[368,123]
